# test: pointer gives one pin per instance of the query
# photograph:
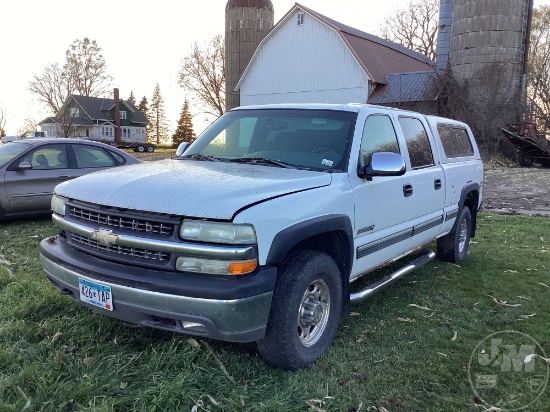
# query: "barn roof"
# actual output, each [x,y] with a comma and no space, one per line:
[378,57]
[405,87]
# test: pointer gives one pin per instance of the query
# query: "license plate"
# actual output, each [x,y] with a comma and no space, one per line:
[96,294]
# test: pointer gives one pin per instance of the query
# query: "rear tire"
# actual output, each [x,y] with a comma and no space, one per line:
[454,246]
[150,149]
[305,311]
[140,149]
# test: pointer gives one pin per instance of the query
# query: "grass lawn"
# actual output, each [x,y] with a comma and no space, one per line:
[406,349]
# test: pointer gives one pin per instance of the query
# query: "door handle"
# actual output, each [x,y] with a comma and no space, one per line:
[407,190]
[437,184]
[64,177]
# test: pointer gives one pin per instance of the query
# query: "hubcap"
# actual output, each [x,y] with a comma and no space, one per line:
[313,312]
[462,234]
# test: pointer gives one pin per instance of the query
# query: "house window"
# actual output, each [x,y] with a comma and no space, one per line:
[300,19]
[73,112]
[122,115]
[106,130]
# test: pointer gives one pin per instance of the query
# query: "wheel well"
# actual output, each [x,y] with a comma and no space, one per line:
[471,201]
[336,245]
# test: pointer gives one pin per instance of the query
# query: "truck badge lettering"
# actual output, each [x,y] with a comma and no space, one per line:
[365,229]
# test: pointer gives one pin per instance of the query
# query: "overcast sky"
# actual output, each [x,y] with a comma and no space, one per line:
[143,42]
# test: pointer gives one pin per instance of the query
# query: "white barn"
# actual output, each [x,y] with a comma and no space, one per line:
[310,58]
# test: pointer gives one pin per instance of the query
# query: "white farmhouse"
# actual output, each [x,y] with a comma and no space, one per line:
[310,58]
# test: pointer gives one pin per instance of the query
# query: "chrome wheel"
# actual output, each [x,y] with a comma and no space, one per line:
[462,235]
[314,312]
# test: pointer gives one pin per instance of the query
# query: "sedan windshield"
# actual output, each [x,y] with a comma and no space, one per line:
[10,151]
[289,138]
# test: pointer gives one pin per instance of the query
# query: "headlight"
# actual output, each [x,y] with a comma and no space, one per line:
[58,205]
[213,232]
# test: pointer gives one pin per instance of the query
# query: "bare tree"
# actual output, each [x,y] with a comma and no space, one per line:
[202,75]
[538,74]
[84,72]
[2,122]
[29,124]
[414,26]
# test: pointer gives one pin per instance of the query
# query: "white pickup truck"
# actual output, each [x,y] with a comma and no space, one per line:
[256,231]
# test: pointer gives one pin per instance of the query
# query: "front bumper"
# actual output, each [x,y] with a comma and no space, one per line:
[233,310]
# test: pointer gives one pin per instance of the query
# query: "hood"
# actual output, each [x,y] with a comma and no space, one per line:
[215,190]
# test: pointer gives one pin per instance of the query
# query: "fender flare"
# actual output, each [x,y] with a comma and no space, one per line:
[471,187]
[289,237]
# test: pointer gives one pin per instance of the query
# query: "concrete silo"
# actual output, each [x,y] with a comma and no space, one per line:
[247,22]
[490,36]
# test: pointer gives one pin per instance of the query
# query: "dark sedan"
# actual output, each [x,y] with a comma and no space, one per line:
[30,169]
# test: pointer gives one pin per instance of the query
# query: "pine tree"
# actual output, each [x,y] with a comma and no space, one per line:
[157,116]
[184,131]
[132,99]
[144,108]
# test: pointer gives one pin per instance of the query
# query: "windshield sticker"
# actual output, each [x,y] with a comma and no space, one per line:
[327,162]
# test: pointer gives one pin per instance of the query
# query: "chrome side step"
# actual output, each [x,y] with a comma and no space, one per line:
[427,256]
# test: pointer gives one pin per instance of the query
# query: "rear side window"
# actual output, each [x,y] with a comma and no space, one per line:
[455,141]
[91,156]
[418,144]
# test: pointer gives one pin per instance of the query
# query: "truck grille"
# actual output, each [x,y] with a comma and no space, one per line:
[149,255]
[122,222]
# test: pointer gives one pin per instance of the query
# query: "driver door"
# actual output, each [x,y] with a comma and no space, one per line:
[32,189]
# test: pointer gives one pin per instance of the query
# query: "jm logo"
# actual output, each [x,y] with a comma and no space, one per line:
[508,357]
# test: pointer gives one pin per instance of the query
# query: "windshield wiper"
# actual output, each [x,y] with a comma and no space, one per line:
[198,156]
[260,160]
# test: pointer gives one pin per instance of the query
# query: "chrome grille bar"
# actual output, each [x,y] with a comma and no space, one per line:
[121,222]
[122,250]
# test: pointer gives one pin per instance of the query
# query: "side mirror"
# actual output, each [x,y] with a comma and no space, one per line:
[383,164]
[24,166]
[181,148]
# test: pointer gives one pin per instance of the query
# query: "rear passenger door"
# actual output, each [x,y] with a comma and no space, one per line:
[428,181]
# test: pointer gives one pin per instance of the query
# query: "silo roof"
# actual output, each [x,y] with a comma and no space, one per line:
[258,4]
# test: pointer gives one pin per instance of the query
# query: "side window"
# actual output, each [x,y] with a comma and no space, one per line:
[48,157]
[91,156]
[418,144]
[378,136]
[121,160]
[455,141]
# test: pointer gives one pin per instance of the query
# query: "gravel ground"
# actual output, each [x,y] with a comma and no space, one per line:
[517,190]
[507,189]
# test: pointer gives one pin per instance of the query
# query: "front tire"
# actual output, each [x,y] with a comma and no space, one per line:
[140,149]
[305,310]
[454,246]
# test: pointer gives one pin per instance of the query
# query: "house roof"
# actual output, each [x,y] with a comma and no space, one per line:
[378,57]
[98,108]
[405,87]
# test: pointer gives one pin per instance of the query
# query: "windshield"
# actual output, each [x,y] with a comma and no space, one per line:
[296,138]
[10,151]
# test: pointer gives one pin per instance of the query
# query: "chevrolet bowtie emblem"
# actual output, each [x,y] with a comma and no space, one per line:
[104,237]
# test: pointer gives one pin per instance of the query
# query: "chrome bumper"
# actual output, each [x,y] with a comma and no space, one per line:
[237,320]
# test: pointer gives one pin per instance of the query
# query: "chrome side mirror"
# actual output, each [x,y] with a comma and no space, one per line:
[181,148]
[383,164]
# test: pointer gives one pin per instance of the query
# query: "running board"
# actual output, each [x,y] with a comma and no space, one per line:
[427,256]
